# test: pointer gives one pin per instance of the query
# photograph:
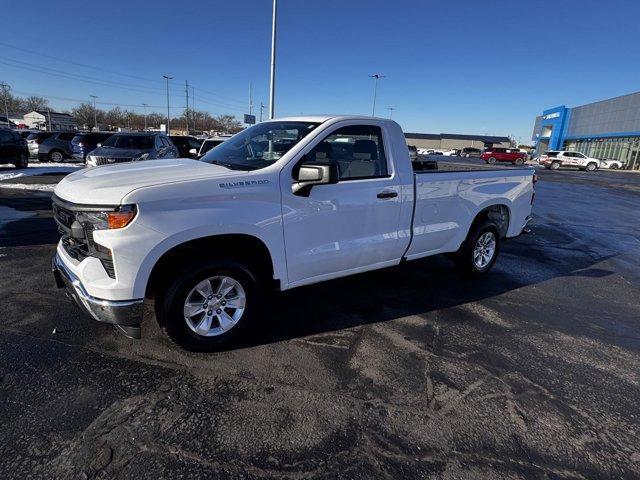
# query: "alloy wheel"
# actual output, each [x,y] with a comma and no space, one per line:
[214,306]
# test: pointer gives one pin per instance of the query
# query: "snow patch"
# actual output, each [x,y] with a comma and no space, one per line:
[41,187]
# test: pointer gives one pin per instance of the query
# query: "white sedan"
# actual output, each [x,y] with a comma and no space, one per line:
[611,164]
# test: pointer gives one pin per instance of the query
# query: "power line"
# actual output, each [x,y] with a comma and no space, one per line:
[84,65]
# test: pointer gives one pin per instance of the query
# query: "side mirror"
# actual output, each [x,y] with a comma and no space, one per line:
[193,151]
[311,174]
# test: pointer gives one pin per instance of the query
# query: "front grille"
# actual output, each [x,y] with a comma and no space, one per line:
[63,216]
[111,160]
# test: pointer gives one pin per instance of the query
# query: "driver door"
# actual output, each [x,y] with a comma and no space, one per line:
[350,225]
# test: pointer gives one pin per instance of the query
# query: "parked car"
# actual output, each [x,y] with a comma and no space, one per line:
[35,139]
[275,207]
[56,148]
[499,154]
[25,133]
[470,152]
[132,147]
[83,143]
[208,144]
[611,164]
[13,148]
[562,158]
[185,145]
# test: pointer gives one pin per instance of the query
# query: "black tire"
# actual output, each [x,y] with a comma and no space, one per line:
[614,166]
[22,161]
[555,165]
[464,257]
[519,161]
[591,167]
[55,156]
[491,160]
[170,301]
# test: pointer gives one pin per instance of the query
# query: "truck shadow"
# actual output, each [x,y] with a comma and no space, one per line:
[416,288]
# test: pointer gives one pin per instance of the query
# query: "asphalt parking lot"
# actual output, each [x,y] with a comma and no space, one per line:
[530,372]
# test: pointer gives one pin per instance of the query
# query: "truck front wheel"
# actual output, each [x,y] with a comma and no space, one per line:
[209,304]
[480,250]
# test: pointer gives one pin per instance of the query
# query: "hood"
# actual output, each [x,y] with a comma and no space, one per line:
[107,185]
[120,152]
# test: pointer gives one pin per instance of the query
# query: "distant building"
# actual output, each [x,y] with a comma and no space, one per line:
[50,120]
[608,130]
[454,141]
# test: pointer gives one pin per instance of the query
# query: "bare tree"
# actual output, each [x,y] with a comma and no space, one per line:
[35,103]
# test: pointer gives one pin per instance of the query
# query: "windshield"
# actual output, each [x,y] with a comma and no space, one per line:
[138,142]
[259,146]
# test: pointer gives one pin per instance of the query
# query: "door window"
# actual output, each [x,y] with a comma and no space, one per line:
[357,150]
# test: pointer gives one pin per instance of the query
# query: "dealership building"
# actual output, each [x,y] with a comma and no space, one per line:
[454,141]
[607,130]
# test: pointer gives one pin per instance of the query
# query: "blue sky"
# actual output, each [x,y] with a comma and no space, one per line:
[451,66]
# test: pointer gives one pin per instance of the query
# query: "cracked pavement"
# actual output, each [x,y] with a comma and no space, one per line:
[408,372]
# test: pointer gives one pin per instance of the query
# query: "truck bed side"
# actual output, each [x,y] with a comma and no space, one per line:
[447,202]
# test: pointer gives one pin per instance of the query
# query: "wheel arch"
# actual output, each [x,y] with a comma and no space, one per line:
[499,213]
[241,246]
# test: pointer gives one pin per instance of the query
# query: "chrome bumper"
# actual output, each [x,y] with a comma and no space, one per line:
[124,314]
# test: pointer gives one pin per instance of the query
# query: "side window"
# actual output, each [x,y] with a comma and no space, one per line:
[66,136]
[159,142]
[357,150]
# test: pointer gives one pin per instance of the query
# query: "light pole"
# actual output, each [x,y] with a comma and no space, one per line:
[95,115]
[272,85]
[167,77]
[391,109]
[376,77]
[5,94]
[144,105]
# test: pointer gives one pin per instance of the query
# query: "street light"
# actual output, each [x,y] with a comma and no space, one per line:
[376,77]
[95,115]
[391,109]
[168,116]
[144,105]
[272,85]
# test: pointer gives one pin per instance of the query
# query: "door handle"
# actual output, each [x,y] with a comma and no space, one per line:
[387,194]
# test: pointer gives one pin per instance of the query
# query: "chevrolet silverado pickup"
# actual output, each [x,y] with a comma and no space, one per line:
[282,204]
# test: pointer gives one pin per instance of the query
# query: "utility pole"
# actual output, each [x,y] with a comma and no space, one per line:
[144,105]
[186,113]
[261,109]
[272,83]
[391,109]
[49,115]
[193,107]
[376,77]
[167,77]
[95,115]
[250,97]
[5,94]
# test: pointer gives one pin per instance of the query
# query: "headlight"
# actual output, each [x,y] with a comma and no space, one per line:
[144,156]
[119,218]
[91,160]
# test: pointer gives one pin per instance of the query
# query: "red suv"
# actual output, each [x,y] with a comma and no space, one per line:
[511,155]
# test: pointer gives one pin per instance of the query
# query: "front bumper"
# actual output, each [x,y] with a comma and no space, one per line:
[124,314]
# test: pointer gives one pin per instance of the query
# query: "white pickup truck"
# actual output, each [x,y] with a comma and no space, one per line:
[285,203]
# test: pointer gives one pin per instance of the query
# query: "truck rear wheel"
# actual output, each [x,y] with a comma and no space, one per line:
[209,304]
[480,250]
